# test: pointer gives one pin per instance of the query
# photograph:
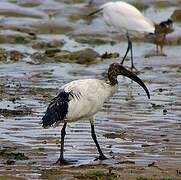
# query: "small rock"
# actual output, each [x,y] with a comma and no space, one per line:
[3,54]
[37,56]
[15,55]
[176,16]
[107,55]
[164,112]
[151,164]
[51,52]
[10,162]
[85,56]
[51,44]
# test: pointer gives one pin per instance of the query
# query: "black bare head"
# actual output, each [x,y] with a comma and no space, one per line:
[116,69]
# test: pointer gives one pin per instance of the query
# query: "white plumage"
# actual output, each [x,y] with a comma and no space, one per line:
[126,18]
[89,97]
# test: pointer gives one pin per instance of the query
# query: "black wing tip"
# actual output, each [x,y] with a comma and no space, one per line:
[49,119]
[56,110]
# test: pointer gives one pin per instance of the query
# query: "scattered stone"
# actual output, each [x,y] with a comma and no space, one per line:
[13,99]
[15,55]
[3,54]
[85,56]
[52,27]
[51,52]
[148,68]
[166,140]
[37,57]
[45,45]
[176,16]
[44,142]
[10,162]
[107,55]
[151,164]
[164,112]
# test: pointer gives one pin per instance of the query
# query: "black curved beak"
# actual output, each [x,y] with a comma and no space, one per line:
[95,12]
[131,75]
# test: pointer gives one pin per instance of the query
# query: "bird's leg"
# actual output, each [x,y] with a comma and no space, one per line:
[132,65]
[101,155]
[61,159]
[128,48]
[131,49]
[162,43]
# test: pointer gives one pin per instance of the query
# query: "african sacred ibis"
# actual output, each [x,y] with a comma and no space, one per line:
[81,99]
[129,20]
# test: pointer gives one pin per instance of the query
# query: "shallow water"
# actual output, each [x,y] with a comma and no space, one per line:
[148,134]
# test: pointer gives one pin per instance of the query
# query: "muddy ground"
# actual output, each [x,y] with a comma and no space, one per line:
[46,43]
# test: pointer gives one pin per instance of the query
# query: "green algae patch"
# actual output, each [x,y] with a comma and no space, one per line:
[46,93]
[96,174]
[12,113]
[6,154]
[120,135]
[82,172]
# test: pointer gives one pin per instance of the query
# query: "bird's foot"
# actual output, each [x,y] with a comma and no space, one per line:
[101,157]
[61,161]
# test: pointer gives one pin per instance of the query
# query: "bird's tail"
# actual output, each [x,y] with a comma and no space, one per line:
[49,119]
[56,110]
